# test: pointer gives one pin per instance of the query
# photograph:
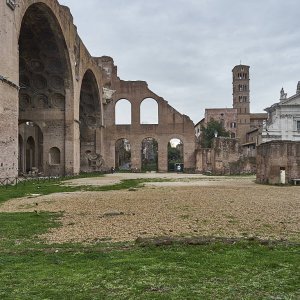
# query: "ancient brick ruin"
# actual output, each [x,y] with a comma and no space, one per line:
[59,106]
[225,157]
[278,162]
[57,102]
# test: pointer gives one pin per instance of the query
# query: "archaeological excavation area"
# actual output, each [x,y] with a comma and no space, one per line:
[175,205]
[64,112]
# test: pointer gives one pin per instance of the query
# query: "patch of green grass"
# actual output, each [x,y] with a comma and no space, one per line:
[19,229]
[47,187]
[177,272]
[123,185]
[30,269]
[34,187]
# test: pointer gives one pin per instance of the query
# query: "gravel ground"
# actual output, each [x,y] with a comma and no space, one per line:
[188,205]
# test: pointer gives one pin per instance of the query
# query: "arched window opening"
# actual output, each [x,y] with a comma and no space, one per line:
[149,111]
[175,155]
[123,112]
[54,156]
[149,155]
[123,155]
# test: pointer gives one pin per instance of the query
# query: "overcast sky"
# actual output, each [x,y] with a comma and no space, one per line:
[186,49]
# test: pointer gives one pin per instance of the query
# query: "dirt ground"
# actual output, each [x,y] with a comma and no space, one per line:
[188,205]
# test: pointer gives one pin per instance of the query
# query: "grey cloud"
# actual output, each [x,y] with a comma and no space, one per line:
[186,49]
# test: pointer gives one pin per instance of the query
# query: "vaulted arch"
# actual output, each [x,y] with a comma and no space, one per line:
[123,154]
[175,155]
[90,121]
[44,76]
[149,154]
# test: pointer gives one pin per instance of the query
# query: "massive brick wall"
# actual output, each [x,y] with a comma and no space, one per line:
[224,158]
[275,156]
[52,98]
[56,74]
[226,116]
[171,124]
[8,131]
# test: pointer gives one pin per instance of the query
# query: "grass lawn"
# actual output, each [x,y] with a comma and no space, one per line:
[30,269]
[47,187]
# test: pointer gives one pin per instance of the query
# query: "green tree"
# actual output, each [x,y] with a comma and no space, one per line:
[208,132]
[174,154]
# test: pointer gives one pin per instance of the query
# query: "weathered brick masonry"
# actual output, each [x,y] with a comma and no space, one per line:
[57,102]
[276,159]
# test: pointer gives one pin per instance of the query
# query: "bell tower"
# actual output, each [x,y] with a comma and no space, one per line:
[241,99]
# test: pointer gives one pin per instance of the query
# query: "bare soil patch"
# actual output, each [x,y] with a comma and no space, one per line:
[188,206]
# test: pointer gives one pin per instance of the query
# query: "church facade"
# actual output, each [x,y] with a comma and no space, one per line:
[283,119]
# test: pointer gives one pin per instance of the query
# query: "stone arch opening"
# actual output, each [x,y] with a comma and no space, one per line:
[149,155]
[44,77]
[123,112]
[175,155]
[30,155]
[123,155]
[149,111]
[90,124]
[31,145]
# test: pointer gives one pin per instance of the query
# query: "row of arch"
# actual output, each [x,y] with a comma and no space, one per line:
[47,79]
[31,152]
[148,112]
[149,153]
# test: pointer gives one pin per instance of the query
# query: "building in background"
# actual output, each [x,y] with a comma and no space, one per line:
[278,153]
[241,99]
[239,121]
[236,154]
[226,116]
[283,119]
